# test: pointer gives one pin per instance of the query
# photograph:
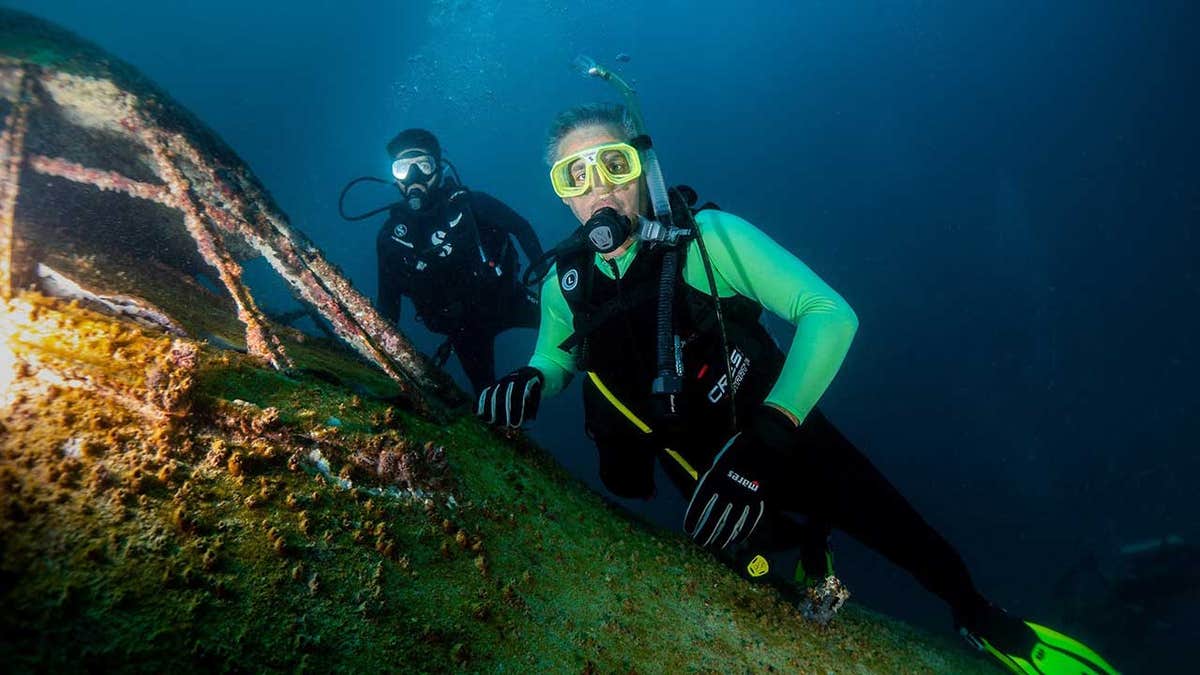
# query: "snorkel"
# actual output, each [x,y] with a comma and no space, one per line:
[662,229]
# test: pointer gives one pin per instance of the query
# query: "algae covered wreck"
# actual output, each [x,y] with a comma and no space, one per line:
[186,484]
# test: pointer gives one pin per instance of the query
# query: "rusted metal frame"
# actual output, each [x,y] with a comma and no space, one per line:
[350,313]
[110,181]
[12,155]
[260,341]
[377,330]
[390,340]
[315,281]
[333,308]
[282,254]
[223,210]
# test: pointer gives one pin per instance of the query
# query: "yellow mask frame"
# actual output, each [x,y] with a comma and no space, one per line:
[615,163]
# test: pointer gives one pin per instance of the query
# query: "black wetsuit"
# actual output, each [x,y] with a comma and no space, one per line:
[457,264]
[823,478]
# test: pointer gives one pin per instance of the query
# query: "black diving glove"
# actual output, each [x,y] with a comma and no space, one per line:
[512,400]
[731,496]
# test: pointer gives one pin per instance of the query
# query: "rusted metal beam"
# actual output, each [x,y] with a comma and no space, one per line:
[372,327]
[12,152]
[110,181]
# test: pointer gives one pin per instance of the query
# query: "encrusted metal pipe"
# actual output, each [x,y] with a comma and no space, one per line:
[12,151]
[104,180]
[260,341]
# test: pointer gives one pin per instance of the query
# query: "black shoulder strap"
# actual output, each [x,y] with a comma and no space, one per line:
[587,316]
[588,321]
[575,274]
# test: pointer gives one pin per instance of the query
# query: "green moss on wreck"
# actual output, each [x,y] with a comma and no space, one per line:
[205,533]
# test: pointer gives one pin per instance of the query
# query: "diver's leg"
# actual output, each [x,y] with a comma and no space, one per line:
[837,484]
[518,309]
[476,351]
[526,312]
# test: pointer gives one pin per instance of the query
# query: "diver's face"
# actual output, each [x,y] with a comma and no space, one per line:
[626,199]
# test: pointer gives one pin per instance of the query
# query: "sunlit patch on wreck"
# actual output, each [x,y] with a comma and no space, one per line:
[8,360]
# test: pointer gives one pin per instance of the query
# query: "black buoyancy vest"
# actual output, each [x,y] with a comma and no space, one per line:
[454,267]
[615,332]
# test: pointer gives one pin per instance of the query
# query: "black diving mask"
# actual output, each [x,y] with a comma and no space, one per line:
[417,169]
[415,176]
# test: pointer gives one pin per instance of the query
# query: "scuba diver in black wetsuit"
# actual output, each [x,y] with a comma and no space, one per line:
[450,250]
[660,308]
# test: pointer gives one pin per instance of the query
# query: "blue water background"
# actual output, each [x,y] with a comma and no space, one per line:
[1005,192]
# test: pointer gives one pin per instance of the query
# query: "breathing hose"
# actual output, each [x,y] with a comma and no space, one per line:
[368,214]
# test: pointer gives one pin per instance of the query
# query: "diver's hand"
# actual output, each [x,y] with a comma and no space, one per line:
[731,497]
[513,399]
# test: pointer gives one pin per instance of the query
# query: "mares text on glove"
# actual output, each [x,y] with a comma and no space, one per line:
[730,499]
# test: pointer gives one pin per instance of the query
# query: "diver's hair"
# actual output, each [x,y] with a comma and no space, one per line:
[611,115]
[415,138]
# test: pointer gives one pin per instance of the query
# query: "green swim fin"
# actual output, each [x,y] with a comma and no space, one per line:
[1027,648]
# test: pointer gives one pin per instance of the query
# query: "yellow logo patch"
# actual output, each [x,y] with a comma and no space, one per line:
[758,566]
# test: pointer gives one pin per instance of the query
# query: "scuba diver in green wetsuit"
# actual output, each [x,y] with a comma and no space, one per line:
[660,308]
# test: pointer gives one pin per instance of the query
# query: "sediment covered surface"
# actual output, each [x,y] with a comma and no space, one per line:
[166,504]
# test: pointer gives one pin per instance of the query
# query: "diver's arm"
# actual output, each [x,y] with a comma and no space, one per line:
[748,262]
[501,216]
[390,286]
[556,365]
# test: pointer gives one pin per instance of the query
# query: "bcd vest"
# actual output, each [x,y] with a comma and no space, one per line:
[455,270]
[614,343]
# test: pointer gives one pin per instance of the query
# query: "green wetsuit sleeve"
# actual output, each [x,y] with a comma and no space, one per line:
[748,262]
[556,325]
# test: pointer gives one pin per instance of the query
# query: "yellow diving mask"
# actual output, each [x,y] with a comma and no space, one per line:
[616,164]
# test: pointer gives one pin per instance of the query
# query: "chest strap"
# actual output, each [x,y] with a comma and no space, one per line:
[590,321]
